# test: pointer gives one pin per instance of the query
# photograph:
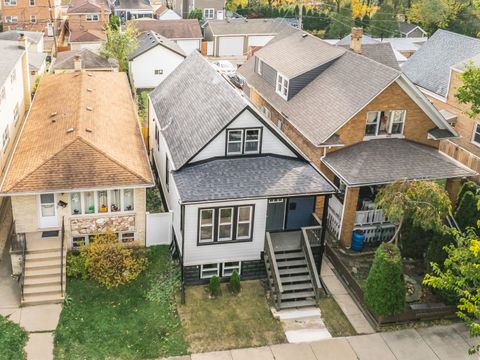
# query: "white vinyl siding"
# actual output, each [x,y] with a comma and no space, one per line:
[259,40]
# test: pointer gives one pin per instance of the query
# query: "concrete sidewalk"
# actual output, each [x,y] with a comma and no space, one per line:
[435,343]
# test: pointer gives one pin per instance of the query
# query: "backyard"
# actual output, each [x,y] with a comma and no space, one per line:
[12,340]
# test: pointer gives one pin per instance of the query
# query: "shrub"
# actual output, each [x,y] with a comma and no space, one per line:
[467,212]
[385,288]
[110,263]
[467,186]
[435,252]
[214,286]
[76,266]
[234,284]
[414,241]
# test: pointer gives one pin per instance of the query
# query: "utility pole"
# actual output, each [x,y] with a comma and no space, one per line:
[300,15]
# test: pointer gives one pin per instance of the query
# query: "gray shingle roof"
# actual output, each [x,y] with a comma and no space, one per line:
[387,160]
[90,60]
[193,104]
[405,27]
[429,67]
[134,4]
[333,97]
[461,66]
[248,177]
[36,60]
[247,27]
[171,29]
[11,53]
[380,52]
[13,35]
[149,40]
[365,40]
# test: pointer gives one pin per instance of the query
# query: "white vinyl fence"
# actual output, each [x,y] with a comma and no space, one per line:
[159,228]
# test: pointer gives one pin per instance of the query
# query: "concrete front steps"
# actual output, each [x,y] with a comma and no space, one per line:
[42,283]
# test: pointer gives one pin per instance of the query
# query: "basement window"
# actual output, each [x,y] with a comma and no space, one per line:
[208,271]
[229,267]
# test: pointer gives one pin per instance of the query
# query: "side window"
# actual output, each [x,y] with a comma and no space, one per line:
[234,142]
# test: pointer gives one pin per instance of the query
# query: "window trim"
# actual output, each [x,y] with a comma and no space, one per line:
[212,269]
[30,2]
[167,173]
[96,211]
[476,130]
[6,140]
[232,268]
[282,85]
[200,225]
[230,223]
[157,72]
[389,125]
[92,17]
[11,18]
[250,222]
[208,10]
[259,66]
[234,142]
[243,141]
[33,19]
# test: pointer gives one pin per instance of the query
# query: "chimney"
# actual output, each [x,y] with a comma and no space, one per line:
[22,41]
[356,40]
[77,63]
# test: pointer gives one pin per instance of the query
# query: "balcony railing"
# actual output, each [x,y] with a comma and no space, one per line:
[366,217]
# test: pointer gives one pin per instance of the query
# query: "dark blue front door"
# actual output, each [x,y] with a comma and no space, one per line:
[299,212]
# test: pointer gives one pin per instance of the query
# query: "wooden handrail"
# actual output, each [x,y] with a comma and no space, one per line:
[274,267]
[311,262]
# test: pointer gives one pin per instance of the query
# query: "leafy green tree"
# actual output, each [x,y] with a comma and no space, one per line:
[430,14]
[114,22]
[340,25]
[383,23]
[469,91]
[119,44]
[385,288]
[196,14]
[467,213]
[424,203]
[460,274]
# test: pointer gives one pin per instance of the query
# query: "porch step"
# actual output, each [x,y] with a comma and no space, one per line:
[42,299]
[295,279]
[43,251]
[42,281]
[37,273]
[298,295]
[52,255]
[296,287]
[293,271]
[289,255]
[42,289]
[291,263]
[296,304]
[42,264]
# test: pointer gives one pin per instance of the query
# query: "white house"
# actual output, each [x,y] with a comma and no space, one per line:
[153,60]
[230,178]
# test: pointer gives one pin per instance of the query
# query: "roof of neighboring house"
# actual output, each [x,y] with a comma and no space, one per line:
[151,39]
[171,29]
[247,26]
[342,89]
[11,53]
[193,104]
[461,66]
[76,138]
[380,52]
[249,177]
[429,67]
[406,28]
[87,36]
[88,6]
[365,40]
[405,44]
[383,161]
[36,60]
[134,4]
[13,35]
[90,60]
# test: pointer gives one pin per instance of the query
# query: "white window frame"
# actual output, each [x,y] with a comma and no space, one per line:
[97,211]
[5,137]
[391,122]
[31,2]
[10,2]
[388,125]
[209,272]
[250,221]
[230,223]
[280,87]
[11,19]
[92,17]
[33,19]
[127,235]
[80,194]
[227,270]
[16,113]
[158,72]
[240,152]
[200,226]
[209,13]
[258,141]
[476,131]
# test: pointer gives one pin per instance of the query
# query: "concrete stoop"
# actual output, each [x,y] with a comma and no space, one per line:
[302,325]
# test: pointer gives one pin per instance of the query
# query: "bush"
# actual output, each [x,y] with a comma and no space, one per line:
[467,212]
[467,186]
[385,288]
[435,252]
[414,241]
[76,266]
[214,286]
[234,284]
[111,264]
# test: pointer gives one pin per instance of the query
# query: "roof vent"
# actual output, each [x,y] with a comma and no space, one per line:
[90,74]
[53,114]
[304,35]
[88,130]
[89,108]
[89,89]
[69,130]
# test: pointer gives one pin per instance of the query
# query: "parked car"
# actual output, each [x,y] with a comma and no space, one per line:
[224,67]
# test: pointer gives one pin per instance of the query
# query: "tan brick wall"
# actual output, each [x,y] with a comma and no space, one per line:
[350,209]
[23,11]
[25,213]
[79,23]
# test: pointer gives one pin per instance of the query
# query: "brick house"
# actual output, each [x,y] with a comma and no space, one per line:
[436,69]
[32,15]
[362,123]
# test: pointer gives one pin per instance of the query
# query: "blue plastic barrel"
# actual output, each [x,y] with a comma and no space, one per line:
[358,238]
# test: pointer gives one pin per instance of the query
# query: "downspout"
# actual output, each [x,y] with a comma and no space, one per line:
[182,276]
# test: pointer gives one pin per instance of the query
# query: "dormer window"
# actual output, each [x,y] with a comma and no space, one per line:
[243,141]
[385,123]
[282,86]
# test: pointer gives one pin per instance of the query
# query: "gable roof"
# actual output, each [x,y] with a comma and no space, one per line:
[193,104]
[247,26]
[365,40]
[342,89]
[429,67]
[90,60]
[380,52]
[90,35]
[151,39]
[74,138]
[462,65]
[88,6]
[11,54]
[171,29]
[13,35]
[134,4]
[406,28]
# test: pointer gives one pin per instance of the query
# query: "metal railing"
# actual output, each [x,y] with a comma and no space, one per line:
[18,244]
[305,244]
[277,283]
[62,251]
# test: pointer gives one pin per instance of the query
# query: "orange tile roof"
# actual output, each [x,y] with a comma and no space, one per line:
[82,132]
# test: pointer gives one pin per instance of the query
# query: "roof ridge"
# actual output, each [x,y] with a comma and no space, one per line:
[455,34]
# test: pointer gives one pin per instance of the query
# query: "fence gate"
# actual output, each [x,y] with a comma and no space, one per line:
[159,228]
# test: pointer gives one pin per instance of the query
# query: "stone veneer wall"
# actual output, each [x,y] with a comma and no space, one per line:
[100,224]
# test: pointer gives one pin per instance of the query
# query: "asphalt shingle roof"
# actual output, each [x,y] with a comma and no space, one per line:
[171,29]
[365,40]
[247,27]
[380,52]
[90,60]
[405,27]
[193,104]
[429,67]
[134,4]
[13,35]
[248,177]
[11,53]
[149,40]
[36,60]
[383,161]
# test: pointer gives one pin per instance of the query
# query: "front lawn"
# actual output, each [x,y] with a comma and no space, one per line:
[334,318]
[134,321]
[12,340]
[229,321]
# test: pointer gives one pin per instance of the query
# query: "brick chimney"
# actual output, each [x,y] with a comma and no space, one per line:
[77,63]
[356,40]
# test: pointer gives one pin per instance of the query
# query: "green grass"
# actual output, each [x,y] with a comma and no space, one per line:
[229,321]
[12,340]
[134,321]
[334,318]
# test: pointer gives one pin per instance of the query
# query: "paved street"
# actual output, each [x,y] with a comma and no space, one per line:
[435,343]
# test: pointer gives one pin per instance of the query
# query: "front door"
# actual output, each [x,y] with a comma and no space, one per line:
[48,211]
[299,212]
[275,214]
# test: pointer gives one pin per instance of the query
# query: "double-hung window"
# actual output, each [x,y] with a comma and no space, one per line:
[33,19]
[225,224]
[92,17]
[209,13]
[282,86]
[244,222]
[206,225]
[11,19]
[259,66]
[384,123]
[234,142]
[31,2]
[476,134]
[252,141]
[243,141]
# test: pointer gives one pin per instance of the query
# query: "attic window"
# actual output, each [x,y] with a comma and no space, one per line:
[282,86]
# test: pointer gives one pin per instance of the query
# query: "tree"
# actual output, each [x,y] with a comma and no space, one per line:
[467,213]
[430,14]
[196,14]
[114,22]
[424,203]
[383,24]
[340,25]
[233,5]
[119,44]
[469,92]
[361,8]
[460,274]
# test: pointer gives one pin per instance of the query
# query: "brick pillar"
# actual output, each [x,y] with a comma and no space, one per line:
[453,187]
[350,209]
[319,206]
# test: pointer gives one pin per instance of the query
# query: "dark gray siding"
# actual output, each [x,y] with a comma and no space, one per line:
[269,74]
[298,83]
[415,33]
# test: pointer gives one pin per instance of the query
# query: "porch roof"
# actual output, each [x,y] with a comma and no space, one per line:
[383,161]
[249,177]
